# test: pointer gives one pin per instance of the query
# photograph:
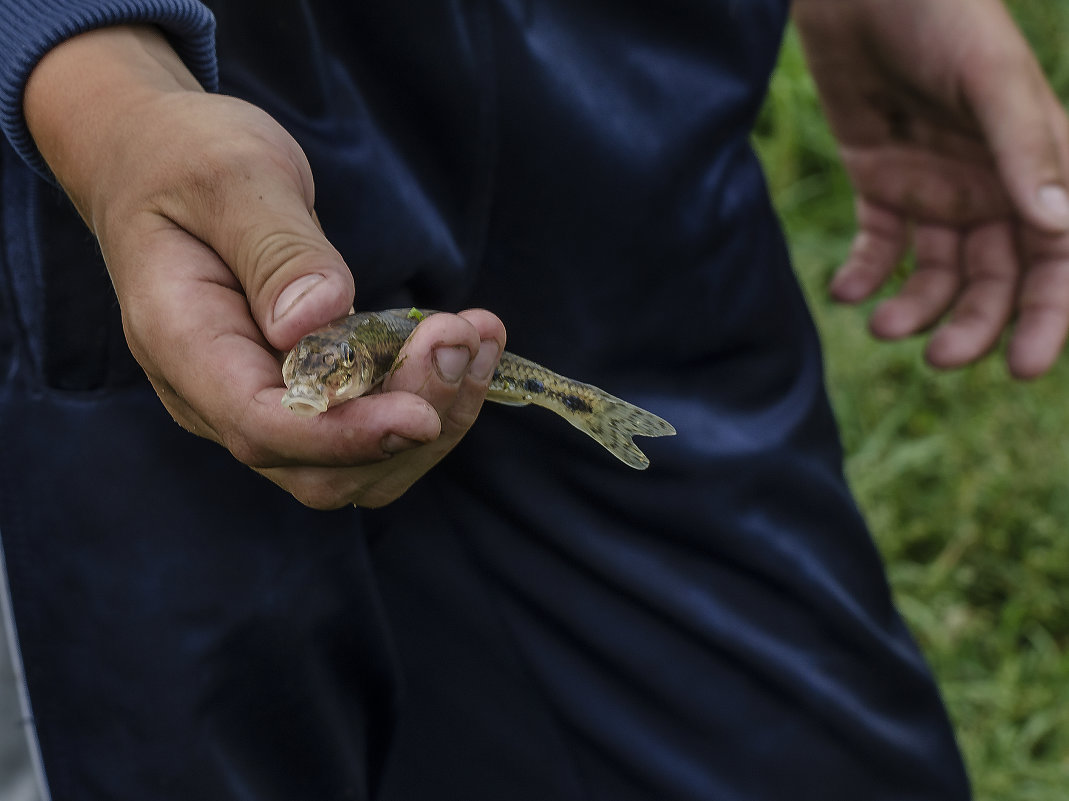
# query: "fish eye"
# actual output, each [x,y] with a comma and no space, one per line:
[347,355]
[328,359]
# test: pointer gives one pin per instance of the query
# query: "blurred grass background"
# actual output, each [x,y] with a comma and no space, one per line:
[964,476]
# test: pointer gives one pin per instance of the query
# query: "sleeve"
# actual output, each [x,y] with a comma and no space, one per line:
[31,28]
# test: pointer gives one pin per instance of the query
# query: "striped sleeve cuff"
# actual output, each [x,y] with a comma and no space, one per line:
[32,27]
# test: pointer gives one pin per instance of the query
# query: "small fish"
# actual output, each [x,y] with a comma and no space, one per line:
[350,356]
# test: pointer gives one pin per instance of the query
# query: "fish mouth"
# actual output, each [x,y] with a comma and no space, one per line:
[304,400]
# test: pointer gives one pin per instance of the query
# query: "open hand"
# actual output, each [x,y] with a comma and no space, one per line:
[956,147]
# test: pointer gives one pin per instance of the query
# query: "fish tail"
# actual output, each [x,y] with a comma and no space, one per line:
[609,420]
[613,422]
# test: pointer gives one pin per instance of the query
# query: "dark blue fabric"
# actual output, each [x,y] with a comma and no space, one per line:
[532,621]
[184,631]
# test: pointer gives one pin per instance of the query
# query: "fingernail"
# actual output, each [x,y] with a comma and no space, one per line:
[1055,203]
[452,362]
[485,360]
[395,443]
[292,294]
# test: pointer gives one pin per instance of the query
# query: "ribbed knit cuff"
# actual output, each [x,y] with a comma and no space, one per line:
[33,27]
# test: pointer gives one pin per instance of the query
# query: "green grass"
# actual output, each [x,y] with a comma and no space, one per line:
[963,476]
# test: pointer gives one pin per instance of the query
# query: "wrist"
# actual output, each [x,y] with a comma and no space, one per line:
[80,97]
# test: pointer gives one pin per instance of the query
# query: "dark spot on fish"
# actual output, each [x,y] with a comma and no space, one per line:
[497,375]
[575,403]
[532,385]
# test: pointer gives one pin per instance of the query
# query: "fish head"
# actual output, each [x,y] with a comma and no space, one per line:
[321,371]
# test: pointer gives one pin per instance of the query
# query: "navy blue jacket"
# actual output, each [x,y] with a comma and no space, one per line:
[532,620]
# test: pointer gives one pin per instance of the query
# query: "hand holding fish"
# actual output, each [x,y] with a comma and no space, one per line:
[354,355]
[202,205]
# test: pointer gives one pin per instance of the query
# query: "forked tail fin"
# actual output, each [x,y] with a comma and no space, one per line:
[613,423]
[604,417]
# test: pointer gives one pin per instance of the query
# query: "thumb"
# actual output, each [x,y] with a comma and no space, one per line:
[253,205]
[305,286]
[294,279]
[1027,131]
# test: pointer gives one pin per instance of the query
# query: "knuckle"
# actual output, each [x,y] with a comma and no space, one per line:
[269,249]
[209,175]
[379,494]
[212,177]
[460,418]
[321,500]
[334,493]
[462,415]
[374,501]
[307,489]
[246,450]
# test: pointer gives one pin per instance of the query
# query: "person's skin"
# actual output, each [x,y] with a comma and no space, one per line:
[956,147]
[203,207]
